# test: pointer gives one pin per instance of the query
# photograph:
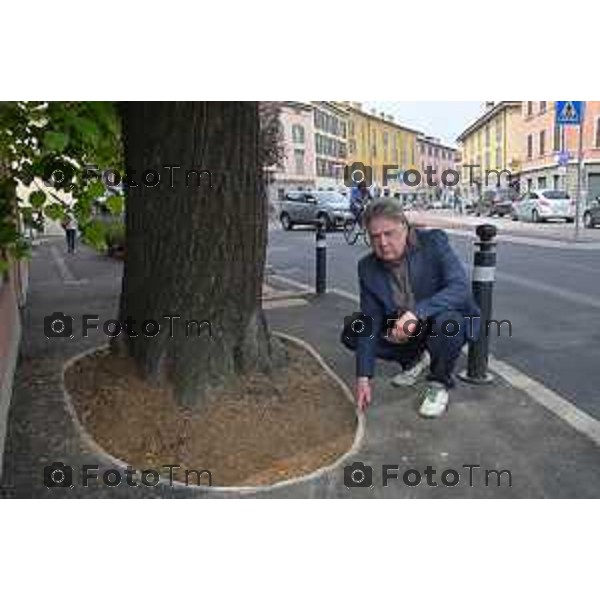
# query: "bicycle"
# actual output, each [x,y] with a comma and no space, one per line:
[354,228]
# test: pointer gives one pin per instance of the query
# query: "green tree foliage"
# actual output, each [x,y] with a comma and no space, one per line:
[54,143]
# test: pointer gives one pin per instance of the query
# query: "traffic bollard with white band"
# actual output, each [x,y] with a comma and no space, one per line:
[321,260]
[484,273]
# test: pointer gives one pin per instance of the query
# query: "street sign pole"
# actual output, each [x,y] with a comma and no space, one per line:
[579,175]
[570,112]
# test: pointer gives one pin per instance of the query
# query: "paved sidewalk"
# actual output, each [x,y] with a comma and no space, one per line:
[496,427]
[551,233]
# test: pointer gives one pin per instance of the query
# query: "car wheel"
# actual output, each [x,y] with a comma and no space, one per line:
[286,222]
[514,217]
[588,222]
[535,216]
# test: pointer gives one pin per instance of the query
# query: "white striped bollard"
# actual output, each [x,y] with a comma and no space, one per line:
[484,274]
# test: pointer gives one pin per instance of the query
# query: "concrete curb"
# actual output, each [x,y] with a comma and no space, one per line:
[107,458]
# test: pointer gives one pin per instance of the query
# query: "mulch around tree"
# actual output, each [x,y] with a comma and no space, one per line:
[257,432]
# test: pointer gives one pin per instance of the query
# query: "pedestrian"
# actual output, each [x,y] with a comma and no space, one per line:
[70,226]
[416,307]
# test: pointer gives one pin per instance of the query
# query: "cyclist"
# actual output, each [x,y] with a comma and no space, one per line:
[359,197]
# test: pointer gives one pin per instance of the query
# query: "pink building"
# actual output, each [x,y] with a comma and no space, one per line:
[13,289]
[440,157]
[297,170]
[543,141]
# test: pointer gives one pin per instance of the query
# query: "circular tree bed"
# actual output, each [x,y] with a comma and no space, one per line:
[260,431]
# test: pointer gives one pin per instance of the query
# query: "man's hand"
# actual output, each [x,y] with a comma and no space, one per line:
[363,392]
[402,329]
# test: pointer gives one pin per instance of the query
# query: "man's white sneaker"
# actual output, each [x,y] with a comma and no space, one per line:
[435,401]
[410,377]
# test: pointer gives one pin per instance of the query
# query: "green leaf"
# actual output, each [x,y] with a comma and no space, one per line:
[115,205]
[4,266]
[37,199]
[54,211]
[94,234]
[27,213]
[56,141]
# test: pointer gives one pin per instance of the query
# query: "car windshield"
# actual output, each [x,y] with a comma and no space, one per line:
[556,195]
[331,198]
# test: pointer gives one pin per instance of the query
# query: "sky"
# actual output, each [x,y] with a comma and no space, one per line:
[443,119]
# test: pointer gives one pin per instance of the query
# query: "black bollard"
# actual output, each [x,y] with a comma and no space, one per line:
[321,260]
[483,287]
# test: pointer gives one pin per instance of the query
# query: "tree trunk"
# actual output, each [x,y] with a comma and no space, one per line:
[195,251]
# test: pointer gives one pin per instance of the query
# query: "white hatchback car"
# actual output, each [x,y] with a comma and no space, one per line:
[541,205]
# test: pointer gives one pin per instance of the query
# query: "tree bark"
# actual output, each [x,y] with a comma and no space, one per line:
[195,251]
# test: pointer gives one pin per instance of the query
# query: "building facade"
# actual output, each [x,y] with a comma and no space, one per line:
[297,170]
[440,158]
[13,290]
[330,121]
[543,141]
[491,149]
[377,141]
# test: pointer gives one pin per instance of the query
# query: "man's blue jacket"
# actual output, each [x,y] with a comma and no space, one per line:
[439,284]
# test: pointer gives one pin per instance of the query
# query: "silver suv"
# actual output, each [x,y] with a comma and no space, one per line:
[327,209]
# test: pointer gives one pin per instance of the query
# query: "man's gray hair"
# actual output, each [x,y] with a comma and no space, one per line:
[386,208]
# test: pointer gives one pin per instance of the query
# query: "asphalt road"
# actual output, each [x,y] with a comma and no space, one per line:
[550,295]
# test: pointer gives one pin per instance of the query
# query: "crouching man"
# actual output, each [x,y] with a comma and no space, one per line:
[416,307]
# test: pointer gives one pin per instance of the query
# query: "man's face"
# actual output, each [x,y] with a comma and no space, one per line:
[388,238]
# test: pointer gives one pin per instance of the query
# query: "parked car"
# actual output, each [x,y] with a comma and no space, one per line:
[496,202]
[329,209]
[541,205]
[591,215]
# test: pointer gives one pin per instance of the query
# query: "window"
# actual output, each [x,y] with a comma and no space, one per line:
[351,128]
[299,161]
[530,146]
[556,145]
[298,134]
[542,143]
[498,158]
[541,183]
[280,194]
[351,146]
[543,106]
[429,150]
[529,183]
[556,183]
[529,108]
[385,140]
[487,135]
[598,133]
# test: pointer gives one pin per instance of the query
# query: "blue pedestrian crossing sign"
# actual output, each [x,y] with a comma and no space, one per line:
[569,112]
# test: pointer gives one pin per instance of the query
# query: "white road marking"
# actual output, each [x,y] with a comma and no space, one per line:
[562,408]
